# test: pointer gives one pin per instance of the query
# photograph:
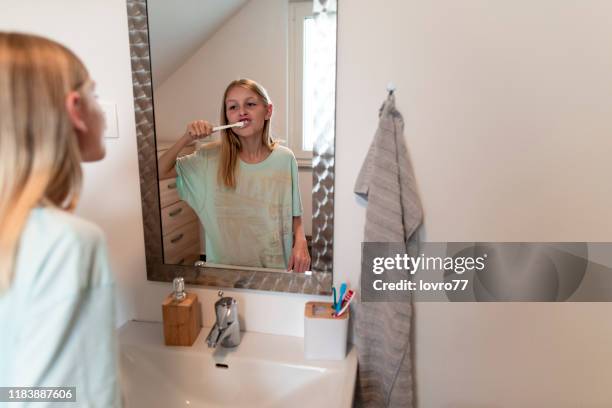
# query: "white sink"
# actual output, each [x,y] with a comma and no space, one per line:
[263,371]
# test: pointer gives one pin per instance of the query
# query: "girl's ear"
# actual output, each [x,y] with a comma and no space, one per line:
[269,109]
[75,109]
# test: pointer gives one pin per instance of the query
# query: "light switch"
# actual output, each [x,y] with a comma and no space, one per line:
[110,113]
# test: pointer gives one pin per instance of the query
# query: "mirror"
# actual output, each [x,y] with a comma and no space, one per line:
[196,223]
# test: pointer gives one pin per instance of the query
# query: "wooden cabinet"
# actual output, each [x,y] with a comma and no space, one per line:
[180,225]
[182,244]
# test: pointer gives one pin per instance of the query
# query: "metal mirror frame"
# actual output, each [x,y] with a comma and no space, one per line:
[319,282]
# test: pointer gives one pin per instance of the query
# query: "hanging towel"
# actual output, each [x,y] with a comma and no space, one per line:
[381,331]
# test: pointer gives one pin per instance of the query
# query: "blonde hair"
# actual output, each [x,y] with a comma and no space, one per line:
[230,143]
[39,151]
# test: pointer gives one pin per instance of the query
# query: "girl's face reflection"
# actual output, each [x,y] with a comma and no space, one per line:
[242,104]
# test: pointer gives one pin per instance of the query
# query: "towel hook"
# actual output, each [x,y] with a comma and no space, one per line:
[390,88]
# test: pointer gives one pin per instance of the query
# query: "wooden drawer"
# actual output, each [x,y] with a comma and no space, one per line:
[185,240]
[168,194]
[176,215]
[188,258]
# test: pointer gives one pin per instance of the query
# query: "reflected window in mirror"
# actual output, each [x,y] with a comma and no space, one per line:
[311,59]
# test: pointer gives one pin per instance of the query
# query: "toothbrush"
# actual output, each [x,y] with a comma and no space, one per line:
[237,124]
[346,297]
[341,297]
[350,295]
[335,302]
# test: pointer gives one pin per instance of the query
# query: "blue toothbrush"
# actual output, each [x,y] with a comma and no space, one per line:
[334,291]
[339,303]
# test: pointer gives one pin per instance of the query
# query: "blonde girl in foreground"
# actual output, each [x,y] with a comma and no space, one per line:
[56,289]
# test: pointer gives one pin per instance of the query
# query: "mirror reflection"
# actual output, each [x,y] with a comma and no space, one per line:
[235,87]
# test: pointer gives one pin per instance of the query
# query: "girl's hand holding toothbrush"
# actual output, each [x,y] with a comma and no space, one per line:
[198,129]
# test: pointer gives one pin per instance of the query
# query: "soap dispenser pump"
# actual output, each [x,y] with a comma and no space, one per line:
[181,315]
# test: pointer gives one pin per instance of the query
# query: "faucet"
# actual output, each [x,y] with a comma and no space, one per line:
[227,328]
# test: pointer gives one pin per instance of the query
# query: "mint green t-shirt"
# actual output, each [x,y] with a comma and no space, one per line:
[57,318]
[251,225]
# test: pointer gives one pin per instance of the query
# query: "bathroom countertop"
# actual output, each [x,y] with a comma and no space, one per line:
[277,348]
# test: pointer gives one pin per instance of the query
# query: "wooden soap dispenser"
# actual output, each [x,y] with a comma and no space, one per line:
[181,315]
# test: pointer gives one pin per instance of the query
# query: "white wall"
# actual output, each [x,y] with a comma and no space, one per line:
[526,83]
[507,108]
[176,32]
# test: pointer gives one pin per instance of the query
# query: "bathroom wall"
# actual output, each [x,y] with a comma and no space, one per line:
[507,109]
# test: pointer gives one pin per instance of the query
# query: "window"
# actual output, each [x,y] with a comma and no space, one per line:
[309,98]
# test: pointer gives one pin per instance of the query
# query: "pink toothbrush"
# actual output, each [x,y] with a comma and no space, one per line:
[345,302]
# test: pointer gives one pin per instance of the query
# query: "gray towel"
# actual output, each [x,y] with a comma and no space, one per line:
[381,331]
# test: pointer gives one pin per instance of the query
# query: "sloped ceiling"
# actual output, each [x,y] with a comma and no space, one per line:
[178,28]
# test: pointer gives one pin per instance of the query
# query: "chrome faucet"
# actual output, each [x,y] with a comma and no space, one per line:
[227,328]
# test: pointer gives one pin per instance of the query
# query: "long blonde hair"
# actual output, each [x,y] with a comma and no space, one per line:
[40,161]
[230,143]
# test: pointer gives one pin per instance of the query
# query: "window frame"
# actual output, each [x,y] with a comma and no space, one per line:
[298,11]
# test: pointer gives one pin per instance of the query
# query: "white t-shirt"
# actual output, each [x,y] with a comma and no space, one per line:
[57,319]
